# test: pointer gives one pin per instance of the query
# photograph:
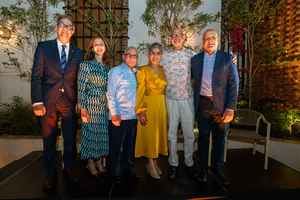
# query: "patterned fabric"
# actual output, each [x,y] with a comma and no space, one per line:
[121,92]
[177,66]
[151,140]
[92,87]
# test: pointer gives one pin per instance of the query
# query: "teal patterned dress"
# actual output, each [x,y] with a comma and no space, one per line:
[92,87]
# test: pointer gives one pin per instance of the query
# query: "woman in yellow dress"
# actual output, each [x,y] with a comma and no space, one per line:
[151,139]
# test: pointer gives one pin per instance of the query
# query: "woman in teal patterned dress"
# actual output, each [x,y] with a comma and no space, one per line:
[92,84]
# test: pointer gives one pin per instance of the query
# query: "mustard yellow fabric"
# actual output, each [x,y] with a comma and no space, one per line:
[151,139]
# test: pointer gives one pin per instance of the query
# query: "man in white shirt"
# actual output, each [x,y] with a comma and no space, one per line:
[176,63]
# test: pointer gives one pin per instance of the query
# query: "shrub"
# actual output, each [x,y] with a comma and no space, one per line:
[282,121]
[242,103]
[17,118]
[281,117]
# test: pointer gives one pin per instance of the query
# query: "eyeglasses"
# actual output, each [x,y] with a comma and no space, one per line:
[131,55]
[69,27]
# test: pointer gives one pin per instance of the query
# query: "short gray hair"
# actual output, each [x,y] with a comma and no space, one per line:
[209,30]
[128,49]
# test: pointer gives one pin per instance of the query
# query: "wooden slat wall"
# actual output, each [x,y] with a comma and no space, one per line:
[281,81]
[288,25]
[83,34]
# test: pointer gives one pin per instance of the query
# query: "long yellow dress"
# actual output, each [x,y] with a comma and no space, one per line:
[151,139]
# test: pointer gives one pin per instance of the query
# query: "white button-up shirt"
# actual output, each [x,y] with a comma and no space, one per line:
[59,45]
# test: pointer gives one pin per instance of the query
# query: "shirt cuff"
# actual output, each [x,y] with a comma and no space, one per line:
[37,104]
[229,110]
[114,113]
[80,106]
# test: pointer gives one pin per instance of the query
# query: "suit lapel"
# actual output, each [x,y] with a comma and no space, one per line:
[71,54]
[218,61]
[216,71]
[200,72]
[56,54]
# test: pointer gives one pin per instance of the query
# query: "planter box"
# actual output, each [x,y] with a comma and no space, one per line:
[15,147]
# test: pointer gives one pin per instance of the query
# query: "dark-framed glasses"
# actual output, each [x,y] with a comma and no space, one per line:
[69,27]
[131,55]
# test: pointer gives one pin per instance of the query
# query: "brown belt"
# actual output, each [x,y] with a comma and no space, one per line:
[207,97]
[62,90]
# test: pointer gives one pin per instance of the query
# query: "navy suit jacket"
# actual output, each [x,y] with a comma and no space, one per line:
[224,81]
[48,77]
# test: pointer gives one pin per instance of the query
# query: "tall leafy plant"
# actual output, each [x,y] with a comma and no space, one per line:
[163,16]
[28,22]
[110,27]
[245,17]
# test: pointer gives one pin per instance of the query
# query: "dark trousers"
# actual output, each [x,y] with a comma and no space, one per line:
[208,124]
[66,111]
[121,147]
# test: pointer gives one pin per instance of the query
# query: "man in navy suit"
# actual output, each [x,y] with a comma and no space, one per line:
[215,84]
[53,94]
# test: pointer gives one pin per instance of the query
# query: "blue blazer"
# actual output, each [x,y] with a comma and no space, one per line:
[224,81]
[48,77]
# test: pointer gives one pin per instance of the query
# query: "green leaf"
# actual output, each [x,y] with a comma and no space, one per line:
[161,17]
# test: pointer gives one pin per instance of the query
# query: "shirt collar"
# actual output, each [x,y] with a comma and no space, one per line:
[211,55]
[131,69]
[59,43]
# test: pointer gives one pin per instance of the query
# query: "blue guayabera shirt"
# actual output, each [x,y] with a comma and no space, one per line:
[121,92]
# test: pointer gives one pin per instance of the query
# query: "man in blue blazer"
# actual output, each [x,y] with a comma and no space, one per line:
[53,94]
[215,86]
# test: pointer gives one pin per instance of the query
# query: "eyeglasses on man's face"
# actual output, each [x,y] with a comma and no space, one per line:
[69,27]
[131,55]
